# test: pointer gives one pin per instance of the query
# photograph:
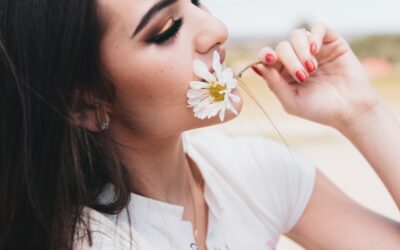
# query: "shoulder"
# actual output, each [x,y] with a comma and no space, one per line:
[261,171]
[251,161]
[246,151]
[212,141]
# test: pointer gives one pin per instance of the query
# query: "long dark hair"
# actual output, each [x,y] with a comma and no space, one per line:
[50,168]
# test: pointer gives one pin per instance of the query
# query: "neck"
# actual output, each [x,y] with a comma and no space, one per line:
[157,167]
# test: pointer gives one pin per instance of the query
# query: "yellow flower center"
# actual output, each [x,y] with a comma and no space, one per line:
[217,91]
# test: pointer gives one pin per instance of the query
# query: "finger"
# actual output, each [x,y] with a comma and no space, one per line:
[278,85]
[291,62]
[300,43]
[320,34]
[267,56]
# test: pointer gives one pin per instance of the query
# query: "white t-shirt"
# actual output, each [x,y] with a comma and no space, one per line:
[256,189]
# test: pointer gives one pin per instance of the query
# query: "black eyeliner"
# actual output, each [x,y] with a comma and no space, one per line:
[196,2]
[172,31]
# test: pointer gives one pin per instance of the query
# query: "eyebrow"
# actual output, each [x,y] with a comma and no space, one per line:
[151,13]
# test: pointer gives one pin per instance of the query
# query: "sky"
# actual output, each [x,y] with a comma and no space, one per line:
[263,18]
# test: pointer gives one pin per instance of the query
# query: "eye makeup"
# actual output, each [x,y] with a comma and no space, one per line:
[196,2]
[170,29]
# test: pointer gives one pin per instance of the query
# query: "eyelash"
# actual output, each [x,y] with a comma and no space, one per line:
[168,34]
[172,31]
[196,2]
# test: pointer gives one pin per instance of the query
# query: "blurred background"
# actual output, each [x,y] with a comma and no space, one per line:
[373,30]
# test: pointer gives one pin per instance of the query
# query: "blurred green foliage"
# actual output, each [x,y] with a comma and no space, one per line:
[378,46]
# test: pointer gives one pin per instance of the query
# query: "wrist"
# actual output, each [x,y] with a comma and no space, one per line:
[366,122]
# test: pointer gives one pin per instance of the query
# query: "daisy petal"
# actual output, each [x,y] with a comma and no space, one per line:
[217,65]
[199,85]
[201,70]
[231,84]
[194,93]
[235,98]
[195,101]
[232,108]
[222,115]
[205,102]
[227,75]
[229,105]
[202,114]
[208,110]
[216,109]
[197,108]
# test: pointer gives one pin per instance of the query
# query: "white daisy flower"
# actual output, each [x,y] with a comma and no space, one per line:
[212,96]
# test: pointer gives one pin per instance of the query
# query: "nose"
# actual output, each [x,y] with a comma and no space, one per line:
[211,33]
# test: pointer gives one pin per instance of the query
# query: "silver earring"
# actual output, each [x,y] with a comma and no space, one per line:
[104,125]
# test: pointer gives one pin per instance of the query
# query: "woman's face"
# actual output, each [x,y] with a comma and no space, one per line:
[149,60]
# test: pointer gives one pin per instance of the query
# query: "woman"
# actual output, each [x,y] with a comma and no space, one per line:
[92,111]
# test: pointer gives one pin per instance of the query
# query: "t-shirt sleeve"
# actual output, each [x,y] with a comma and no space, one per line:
[284,179]
[301,175]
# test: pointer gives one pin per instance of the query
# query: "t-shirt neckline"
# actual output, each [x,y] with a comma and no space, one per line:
[148,206]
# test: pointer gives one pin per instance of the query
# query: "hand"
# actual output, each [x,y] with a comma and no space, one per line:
[316,76]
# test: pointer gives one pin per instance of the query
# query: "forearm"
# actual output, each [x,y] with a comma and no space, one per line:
[377,137]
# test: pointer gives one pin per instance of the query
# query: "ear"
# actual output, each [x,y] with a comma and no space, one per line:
[89,116]
[91,119]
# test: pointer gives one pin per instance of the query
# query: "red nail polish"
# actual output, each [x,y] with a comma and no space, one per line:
[269,58]
[301,76]
[255,69]
[309,66]
[313,48]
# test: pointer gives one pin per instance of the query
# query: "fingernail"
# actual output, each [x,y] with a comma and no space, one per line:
[269,58]
[301,76]
[255,69]
[309,66]
[313,48]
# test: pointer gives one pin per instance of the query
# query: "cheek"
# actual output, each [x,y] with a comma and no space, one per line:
[151,85]
[148,79]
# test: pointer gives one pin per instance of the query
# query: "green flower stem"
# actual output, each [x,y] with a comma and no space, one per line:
[239,75]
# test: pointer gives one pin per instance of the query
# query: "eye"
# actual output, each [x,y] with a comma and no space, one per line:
[196,2]
[169,30]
